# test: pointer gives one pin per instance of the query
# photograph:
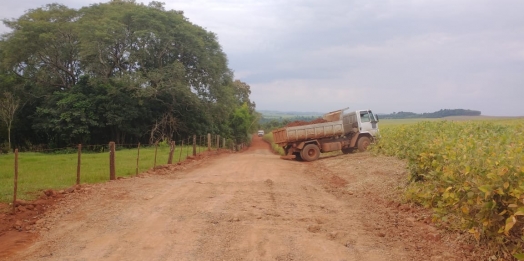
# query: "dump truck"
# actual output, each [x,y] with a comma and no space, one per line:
[337,131]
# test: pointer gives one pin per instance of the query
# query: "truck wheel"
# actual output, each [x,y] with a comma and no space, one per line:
[363,143]
[310,152]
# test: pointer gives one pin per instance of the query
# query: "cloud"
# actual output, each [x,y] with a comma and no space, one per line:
[410,55]
[14,9]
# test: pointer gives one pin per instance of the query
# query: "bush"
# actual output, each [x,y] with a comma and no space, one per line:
[4,148]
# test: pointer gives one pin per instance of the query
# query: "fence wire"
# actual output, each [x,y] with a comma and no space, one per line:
[56,169]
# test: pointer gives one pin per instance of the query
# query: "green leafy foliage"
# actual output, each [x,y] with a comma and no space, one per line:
[470,173]
[269,139]
[241,122]
[121,71]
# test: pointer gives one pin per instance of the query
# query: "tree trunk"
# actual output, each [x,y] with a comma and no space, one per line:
[9,136]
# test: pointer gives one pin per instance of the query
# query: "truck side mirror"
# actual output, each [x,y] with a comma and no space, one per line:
[374,118]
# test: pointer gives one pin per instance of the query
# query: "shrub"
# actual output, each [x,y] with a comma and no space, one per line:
[269,139]
[4,148]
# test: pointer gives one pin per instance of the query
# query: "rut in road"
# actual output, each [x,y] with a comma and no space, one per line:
[239,206]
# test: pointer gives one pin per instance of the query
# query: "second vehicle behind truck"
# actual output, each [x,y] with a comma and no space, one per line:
[346,132]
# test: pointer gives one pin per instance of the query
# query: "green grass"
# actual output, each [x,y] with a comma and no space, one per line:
[395,122]
[269,139]
[41,171]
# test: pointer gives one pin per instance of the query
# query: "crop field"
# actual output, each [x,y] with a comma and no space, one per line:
[41,171]
[390,122]
[471,173]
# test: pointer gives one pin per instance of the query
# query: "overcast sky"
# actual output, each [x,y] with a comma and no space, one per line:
[401,55]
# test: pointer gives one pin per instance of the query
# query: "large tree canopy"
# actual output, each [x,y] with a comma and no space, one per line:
[119,71]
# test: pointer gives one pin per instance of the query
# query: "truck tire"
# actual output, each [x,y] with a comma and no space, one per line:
[363,143]
[310,152]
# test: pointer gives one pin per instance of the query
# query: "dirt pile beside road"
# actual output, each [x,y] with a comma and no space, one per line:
[19,229]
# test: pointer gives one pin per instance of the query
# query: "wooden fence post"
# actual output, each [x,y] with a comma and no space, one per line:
[137,157]
[188,147]
[209,141]
[194,145]
[171,152]
[224,143]
[181,149]
[16,181]
[156,149]
[79,161]
[218,142]
[112,172]
[199,144]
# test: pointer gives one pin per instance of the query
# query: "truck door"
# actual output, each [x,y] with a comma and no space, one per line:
[368,122]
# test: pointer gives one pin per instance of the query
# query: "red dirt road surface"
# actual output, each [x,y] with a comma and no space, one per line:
[246,206]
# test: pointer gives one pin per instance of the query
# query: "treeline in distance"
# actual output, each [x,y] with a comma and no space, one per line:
[438,114]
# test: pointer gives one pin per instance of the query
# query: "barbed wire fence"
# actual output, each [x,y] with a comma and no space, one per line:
[62,168]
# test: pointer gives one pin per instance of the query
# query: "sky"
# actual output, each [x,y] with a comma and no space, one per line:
[387,56]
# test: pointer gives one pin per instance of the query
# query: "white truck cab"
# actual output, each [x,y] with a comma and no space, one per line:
[361,121]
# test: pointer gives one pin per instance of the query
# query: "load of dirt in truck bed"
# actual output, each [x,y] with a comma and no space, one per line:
[302,123]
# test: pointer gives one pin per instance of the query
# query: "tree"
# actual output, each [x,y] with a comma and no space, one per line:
[242,91]
[44,46]
[8,106]
[121,71]
[241,122]
[70,115]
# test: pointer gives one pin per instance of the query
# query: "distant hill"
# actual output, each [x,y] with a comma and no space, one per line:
[438,114]
[276,119]
[287,114]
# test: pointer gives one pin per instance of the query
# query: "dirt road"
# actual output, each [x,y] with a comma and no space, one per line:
[245,206]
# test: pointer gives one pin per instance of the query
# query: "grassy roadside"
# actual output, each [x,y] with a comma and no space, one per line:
[41,171]
[269,139]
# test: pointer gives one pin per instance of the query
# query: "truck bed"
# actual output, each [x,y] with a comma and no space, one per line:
[308,132]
